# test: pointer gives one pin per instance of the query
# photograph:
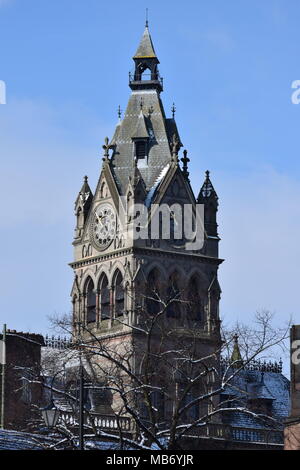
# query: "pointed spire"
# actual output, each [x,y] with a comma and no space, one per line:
[236,354]
[146,48]
[85,194]
[207,189]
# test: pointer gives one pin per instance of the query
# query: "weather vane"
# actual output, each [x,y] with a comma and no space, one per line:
[147,18]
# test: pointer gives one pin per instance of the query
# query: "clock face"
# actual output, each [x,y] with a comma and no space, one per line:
[103,227]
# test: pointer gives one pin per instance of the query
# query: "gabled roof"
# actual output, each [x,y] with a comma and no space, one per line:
[141,131]
[146,48]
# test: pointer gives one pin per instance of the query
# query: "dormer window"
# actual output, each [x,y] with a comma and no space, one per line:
[140,149]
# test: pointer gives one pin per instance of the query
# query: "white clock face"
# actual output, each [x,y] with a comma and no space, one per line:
[103,227]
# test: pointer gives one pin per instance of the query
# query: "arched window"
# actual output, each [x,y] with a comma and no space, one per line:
[153,305]
[104,298]
[118,294]
[195,302]
[90,301]
[173,296]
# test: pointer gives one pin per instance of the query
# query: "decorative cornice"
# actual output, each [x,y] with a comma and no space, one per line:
[145,251]
[97,259]
[175,254]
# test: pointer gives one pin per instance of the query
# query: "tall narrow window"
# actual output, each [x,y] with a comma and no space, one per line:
[140,149]
[118,294]
[104,298]
[153,304]
[90,302]
[173,296]
[195,302]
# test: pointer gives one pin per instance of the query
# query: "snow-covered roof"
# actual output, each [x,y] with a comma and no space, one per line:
[152,190]
[15,440]
[254,384]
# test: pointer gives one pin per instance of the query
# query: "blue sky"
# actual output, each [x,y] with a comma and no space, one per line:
[228,66]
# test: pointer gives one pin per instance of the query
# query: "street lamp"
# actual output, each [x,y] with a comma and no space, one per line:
[50,415]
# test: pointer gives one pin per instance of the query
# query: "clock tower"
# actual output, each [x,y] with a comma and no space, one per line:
[142,167]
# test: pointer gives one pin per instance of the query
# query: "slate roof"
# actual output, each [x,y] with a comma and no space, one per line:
[159,129]
[254,384]
[146,48]
[15,440]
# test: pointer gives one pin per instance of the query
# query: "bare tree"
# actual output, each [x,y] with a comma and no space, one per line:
[154,377]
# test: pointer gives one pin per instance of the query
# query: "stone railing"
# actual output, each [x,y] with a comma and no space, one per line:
[238,434]
[264,436]
[103,422]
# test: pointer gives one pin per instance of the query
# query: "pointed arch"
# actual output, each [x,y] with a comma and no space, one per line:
[153,292]
[118,293]
[195,299]
[173,295]
[104,297]
[90,298]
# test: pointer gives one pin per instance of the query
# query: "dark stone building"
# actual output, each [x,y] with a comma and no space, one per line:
[22,363]
[292,429]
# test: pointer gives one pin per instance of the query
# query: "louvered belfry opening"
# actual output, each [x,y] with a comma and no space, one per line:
[140,149]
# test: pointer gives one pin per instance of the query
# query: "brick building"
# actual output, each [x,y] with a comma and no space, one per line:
[22,360]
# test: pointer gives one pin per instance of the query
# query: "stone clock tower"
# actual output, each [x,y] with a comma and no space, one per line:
[141,165]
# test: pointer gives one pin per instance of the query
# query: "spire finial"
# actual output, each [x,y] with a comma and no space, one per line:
[185,160]
[236,357]
[173,109]
[174,148]
[119,112]
[85,179]
[207,176]
[147,23]
[106,147]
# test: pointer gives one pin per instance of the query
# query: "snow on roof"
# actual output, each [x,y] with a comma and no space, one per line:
[15,440]
[156,183]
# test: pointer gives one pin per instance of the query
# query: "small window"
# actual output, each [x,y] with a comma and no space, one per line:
[140,149]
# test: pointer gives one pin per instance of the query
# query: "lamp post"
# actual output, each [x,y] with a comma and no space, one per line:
[81,406]
[50,414]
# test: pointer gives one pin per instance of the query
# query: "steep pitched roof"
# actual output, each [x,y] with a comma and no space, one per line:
[146,48]
[207,191]
[141,130]
[150,123]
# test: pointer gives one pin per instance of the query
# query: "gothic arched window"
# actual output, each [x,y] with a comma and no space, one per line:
[153,305]
[90,301]
[118,293]
[173,296]
[104,297]
[195,302]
